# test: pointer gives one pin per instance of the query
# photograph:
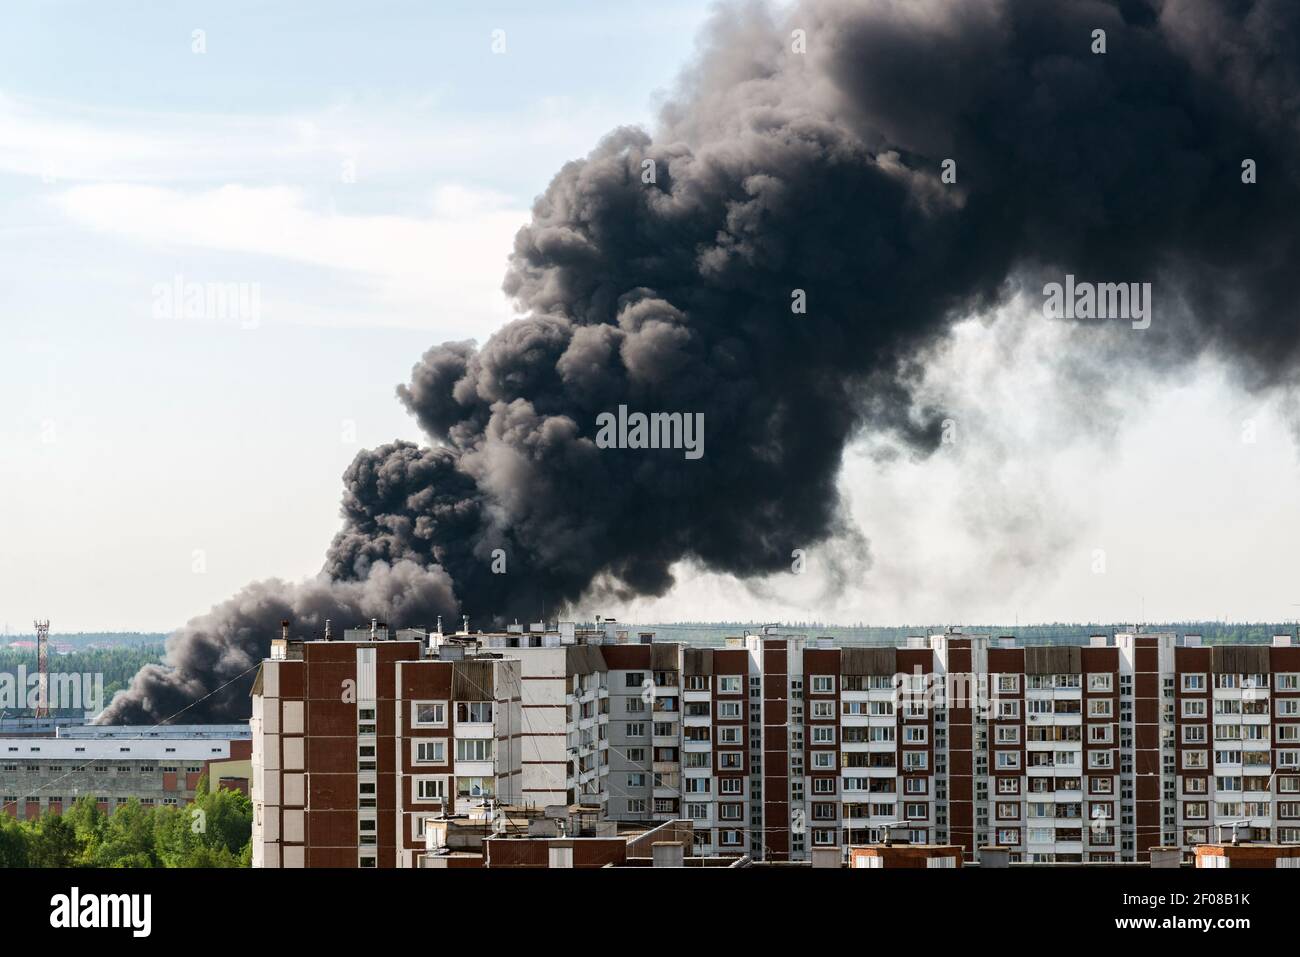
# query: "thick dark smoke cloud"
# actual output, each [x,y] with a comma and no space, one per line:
[777,171]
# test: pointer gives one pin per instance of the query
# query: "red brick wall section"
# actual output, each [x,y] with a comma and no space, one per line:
[961,806]
[902,855]
[536,853]
[1245,855]
[776,751]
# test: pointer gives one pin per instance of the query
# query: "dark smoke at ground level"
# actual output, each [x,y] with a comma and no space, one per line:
[776,257]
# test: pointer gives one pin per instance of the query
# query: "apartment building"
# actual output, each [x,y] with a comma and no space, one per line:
[588,711]
[611,722]
[1089,753]
[781,748]
[161,766]
[357,743]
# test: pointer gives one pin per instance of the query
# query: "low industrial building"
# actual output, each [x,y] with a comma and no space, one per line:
[157,766]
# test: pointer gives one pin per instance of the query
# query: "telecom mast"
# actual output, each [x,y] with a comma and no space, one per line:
[42,668]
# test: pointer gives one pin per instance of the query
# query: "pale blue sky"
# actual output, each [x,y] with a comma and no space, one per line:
[128,442]
[365,165]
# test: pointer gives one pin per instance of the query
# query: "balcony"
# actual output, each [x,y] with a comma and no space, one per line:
[666,789]
[475,769]
[474,729]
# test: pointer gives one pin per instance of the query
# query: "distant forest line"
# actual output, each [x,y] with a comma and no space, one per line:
[85,639]
[117,651]
[117,664]
[1211,632]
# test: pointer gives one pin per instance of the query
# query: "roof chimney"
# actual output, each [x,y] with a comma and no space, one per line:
[374,628]
[284,629]
[328,636]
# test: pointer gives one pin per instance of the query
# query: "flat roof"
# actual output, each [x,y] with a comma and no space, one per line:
[231,732]
[117,749]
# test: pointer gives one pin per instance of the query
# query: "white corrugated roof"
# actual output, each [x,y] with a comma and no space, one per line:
[122,749]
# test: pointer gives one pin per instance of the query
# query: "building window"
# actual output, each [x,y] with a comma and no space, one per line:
[823,684]
[1193,682]
[1099,708]
[823,760]
[915,760]
[728,684]
[428,714]
[432,751]
[474,749]
[476,712]
[1101,759]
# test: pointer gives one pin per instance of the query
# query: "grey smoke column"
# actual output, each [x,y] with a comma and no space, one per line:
[776,171]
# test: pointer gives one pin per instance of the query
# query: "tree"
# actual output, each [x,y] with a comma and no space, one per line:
[53,843]
[13,843]
[215,830]
[127,839]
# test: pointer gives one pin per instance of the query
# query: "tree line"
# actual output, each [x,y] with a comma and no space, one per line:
[117,665]
[214,830]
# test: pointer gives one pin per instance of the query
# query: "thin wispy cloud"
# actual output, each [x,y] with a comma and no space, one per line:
[450,258]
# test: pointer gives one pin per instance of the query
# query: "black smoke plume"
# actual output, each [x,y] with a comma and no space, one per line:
[660,271]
